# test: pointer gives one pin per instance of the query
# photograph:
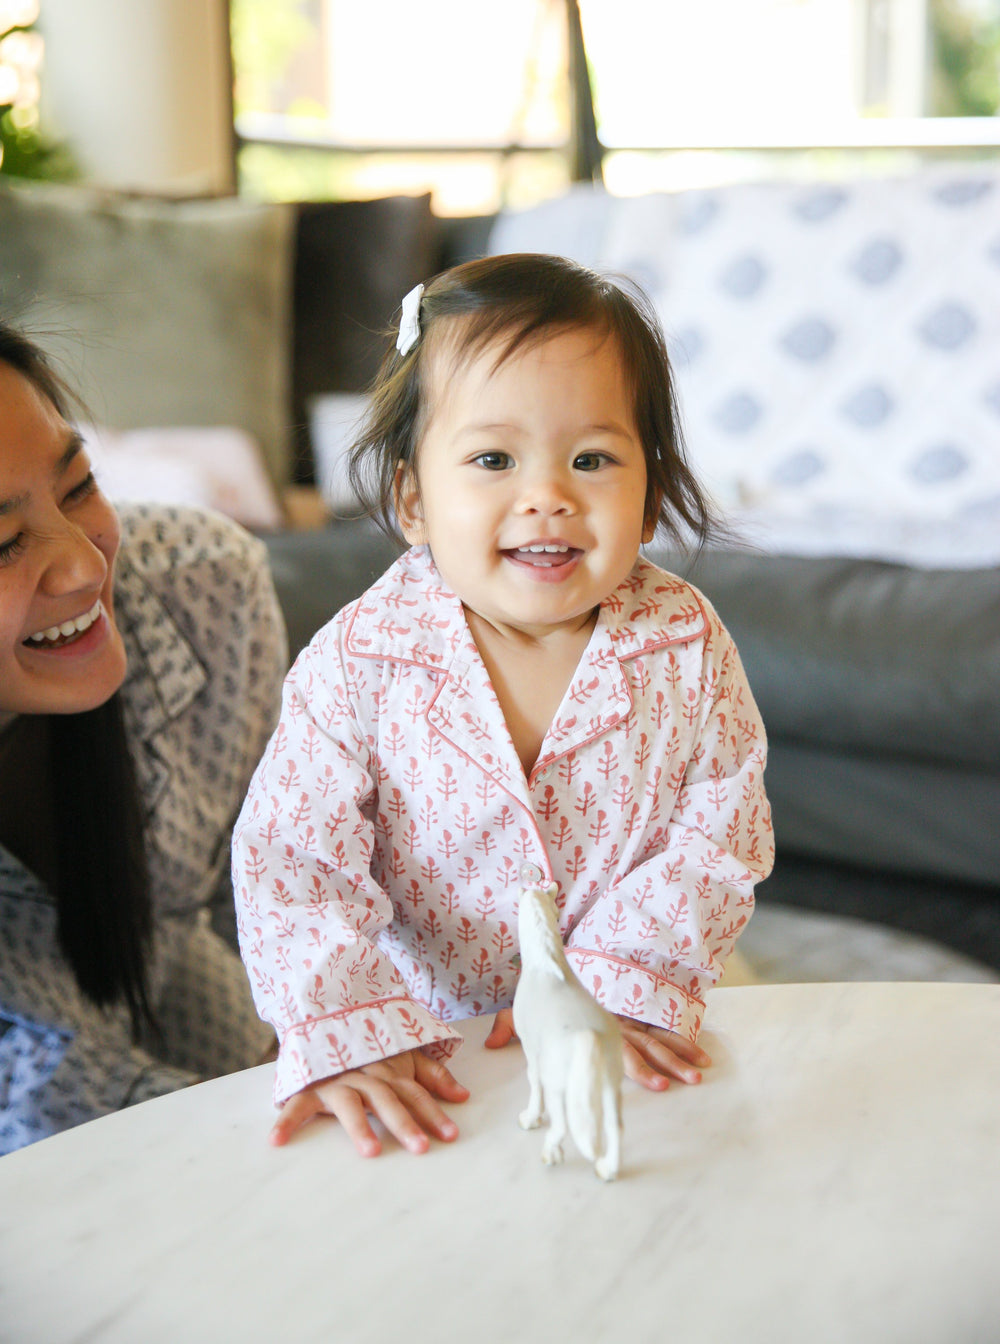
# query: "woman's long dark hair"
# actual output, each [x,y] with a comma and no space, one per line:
[102,885]
[102,894]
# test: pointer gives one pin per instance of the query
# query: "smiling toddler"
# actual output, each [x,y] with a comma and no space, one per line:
[521,699]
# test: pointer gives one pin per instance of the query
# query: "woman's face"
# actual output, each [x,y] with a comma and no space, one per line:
[60,650]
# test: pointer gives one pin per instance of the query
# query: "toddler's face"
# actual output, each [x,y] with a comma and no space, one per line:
[530,481]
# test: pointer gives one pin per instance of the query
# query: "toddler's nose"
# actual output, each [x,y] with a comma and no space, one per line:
[547,493]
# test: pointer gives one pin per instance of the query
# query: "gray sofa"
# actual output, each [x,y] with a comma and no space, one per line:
[880,688]
[797,318]
[879,681]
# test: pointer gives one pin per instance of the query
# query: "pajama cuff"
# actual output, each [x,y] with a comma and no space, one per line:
[622,987]
[321,1048]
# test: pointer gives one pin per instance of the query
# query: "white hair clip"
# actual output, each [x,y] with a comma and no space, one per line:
[409,321]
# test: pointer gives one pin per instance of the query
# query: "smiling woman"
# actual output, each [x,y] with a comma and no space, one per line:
[140,662]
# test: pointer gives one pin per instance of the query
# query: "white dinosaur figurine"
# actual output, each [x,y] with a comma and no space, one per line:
[572,1045]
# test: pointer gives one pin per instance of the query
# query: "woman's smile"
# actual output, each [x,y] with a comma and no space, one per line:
[71,632]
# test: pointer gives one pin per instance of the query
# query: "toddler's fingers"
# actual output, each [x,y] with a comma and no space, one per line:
[656,1057]
[438,1079]
[400,1108]
[348,1107]
[640,1072]
[687,1050]
[425,1110]
[296,1112]
[502,1032]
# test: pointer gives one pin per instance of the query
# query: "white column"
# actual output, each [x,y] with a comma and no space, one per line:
[140,90]
[908,58]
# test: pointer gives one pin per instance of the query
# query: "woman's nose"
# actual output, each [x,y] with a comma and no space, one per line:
[74,563]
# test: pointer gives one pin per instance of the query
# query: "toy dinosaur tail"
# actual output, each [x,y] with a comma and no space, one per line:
[585,1094]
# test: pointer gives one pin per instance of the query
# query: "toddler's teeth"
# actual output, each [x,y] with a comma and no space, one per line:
[68,628]
[52,632]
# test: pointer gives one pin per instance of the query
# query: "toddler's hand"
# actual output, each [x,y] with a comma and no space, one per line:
[400,1091]
[653,1056]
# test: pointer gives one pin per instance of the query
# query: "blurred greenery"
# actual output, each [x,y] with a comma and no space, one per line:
[266,35]
[24,150]
[965,76]
[27,153]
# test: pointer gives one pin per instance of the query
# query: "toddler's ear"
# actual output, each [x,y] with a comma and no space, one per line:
[409,513]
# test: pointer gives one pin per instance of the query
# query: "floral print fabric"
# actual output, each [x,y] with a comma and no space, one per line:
[390,826]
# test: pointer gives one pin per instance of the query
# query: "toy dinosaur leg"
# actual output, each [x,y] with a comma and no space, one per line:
[552,1149]
[531,1116]
[608,1164]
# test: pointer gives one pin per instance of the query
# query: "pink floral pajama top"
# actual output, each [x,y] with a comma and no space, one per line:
[389,827]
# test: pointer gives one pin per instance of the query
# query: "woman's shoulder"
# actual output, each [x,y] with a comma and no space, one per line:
[160,539]
[201,574]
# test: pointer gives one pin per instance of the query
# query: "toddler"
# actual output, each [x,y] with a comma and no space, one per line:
[521,699]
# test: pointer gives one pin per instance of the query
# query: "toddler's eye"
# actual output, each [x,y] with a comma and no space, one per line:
[589,461]
[494,461]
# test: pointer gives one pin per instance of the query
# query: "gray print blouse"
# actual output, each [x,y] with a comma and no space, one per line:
[206,657]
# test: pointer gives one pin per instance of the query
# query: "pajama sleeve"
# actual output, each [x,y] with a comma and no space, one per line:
[308,909]
[656,939]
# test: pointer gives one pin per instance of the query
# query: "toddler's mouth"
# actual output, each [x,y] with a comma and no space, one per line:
[544,555]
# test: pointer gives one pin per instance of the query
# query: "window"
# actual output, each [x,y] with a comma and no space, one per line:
[465,98]
[482,103]
[741,87]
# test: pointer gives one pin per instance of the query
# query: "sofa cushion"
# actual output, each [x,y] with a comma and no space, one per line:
[160,313]
[861,656]
[886,813]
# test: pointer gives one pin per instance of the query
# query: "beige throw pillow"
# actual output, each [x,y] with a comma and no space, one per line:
[160,313]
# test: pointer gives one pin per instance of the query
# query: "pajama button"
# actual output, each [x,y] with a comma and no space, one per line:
[530,874]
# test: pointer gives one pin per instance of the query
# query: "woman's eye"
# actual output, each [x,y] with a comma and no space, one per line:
[10,550]
[589,461]
[86,487]
[494,461]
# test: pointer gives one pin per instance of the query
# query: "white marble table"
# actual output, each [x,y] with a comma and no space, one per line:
[835,1178]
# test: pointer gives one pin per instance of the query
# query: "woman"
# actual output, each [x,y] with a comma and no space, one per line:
[141,659]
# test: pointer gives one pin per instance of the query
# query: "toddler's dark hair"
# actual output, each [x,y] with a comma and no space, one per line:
[521,298]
